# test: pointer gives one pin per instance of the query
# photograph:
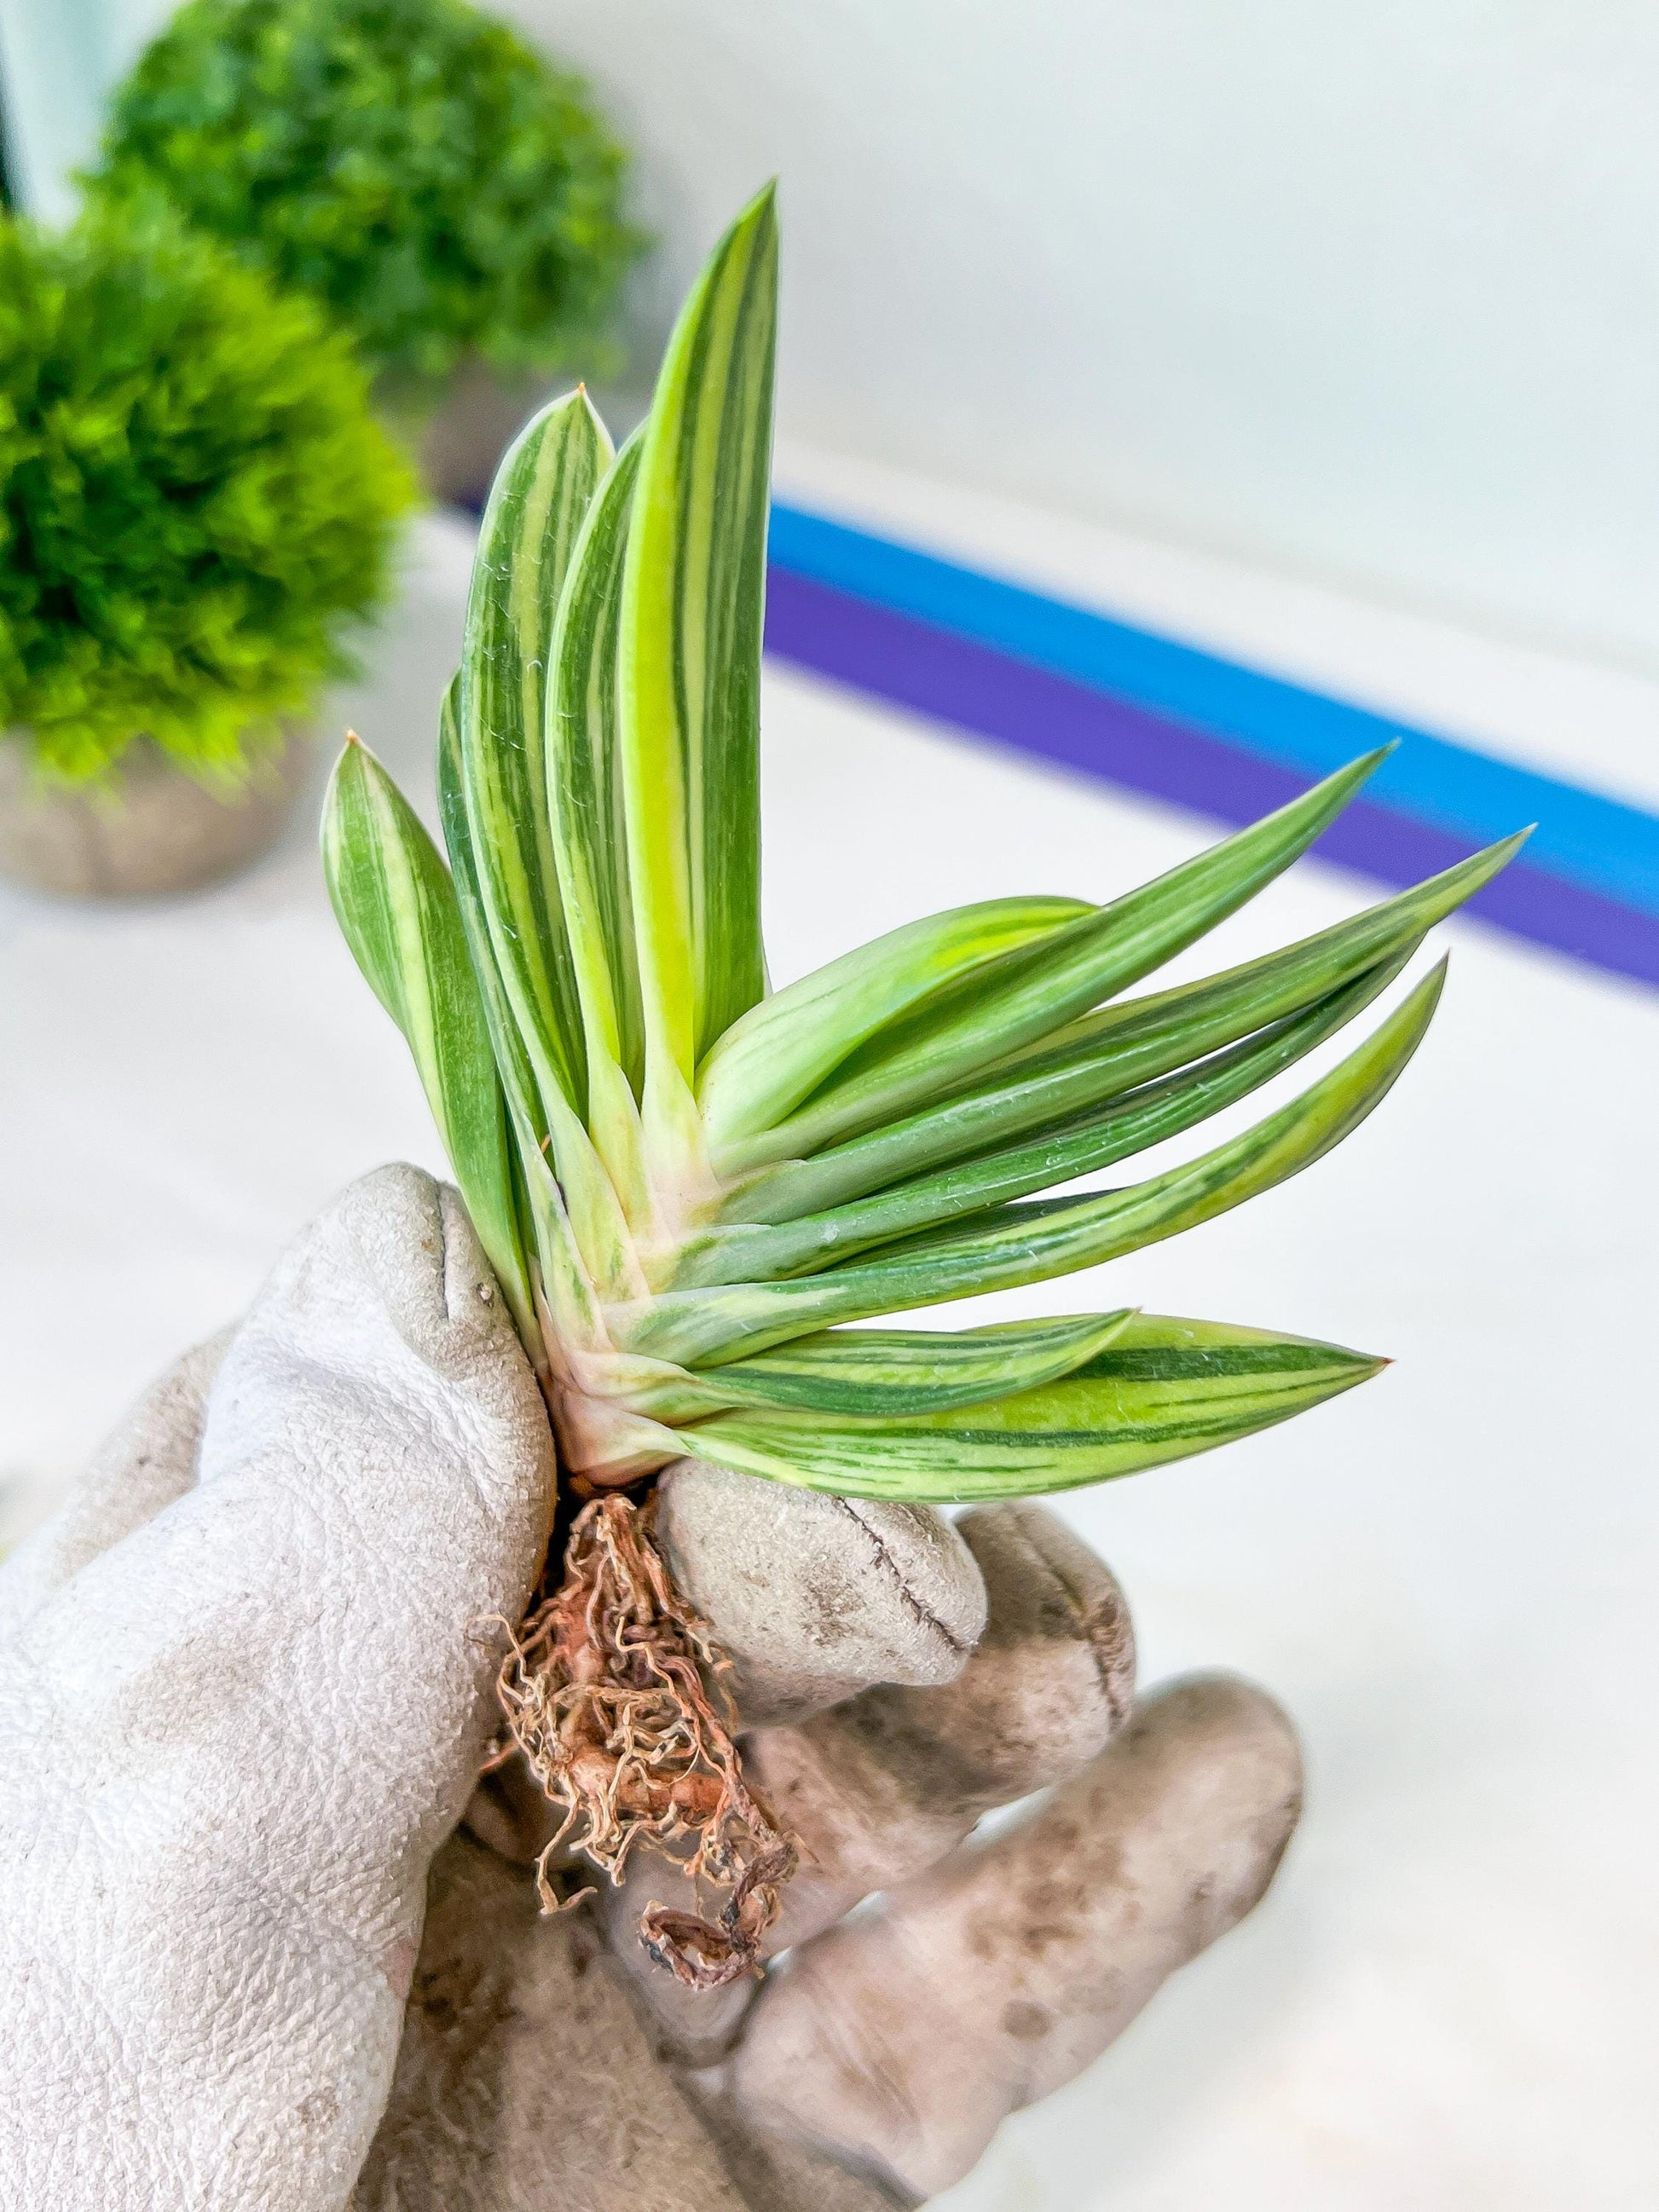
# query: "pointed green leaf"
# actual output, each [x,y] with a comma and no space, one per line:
[875,1371]
[1010,1004]
[1163,1390]
[782,1050]
[518,1078]
[689,666]
[1106,1054]
[1132,1123]
[396,907]
[1041,1238]
[584,776]
[1216,1009]
[590,1212]
[536,508]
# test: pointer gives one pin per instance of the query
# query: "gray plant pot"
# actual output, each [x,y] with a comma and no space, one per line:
[461,442]
[472,426]
[149,829]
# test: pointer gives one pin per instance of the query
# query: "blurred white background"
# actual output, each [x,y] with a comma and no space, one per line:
[1370,292]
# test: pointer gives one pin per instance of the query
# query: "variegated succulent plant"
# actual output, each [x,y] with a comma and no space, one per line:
[689,1184]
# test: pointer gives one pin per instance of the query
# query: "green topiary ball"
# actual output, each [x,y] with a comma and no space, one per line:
[410,162]
[195,497]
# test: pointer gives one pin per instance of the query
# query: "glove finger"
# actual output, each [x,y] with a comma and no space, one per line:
[882,1788]
[899,2043]
[814,1598]
[878,1790]
[523,2077]
[375,1484]
[260,1713]
[526,2078]
[146,1461]
[811,1598]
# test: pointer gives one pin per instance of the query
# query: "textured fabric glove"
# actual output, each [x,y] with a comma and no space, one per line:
[245,1684]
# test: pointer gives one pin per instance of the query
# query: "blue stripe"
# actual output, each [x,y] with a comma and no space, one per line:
[1608,848]
[974,689]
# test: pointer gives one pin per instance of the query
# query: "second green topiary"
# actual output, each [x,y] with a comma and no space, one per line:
[412,164]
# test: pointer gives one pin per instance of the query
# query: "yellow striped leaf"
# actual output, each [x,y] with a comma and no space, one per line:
[584,777]
[396,907]
[1041,1238]
[530,528]
[1011,1003]
[780,1052]
[1163,1389]
[867,1372]
[1132,1123]
[1107,1053]
[693,595]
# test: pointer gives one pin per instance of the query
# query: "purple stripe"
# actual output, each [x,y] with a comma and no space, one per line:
[953,679]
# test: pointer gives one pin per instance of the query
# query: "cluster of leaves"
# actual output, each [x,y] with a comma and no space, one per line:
[688,1187]
[195,497]
[410,163]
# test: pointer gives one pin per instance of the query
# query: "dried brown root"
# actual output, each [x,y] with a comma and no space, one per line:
[606,1691]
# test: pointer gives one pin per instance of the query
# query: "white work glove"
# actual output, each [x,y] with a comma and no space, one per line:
[244,1697]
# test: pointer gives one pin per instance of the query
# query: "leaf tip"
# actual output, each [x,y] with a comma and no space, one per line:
[1416,1009]
[762,213]
[1372,1362]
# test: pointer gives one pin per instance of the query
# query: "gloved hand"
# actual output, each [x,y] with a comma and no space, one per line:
[244,1696]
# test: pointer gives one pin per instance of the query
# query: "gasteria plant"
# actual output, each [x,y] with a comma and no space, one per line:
[686,1183]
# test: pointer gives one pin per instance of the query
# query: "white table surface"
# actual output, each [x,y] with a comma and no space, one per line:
[1449,1577]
